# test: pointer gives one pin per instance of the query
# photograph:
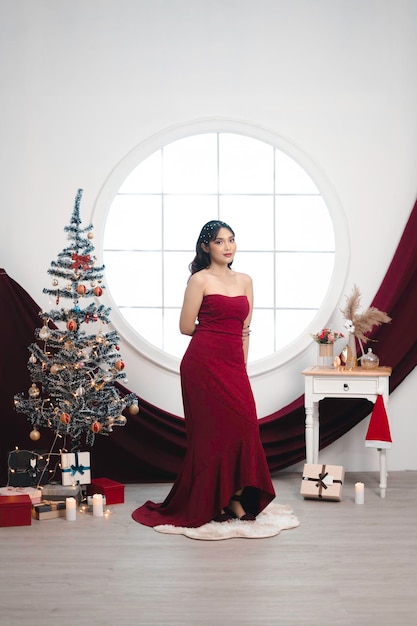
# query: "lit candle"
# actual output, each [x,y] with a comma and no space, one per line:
[97,505]
[359,493]
[71,509]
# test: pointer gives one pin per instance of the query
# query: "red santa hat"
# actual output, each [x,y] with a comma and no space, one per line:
[378,435]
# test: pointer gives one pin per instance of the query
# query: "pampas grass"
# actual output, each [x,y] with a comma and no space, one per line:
[362,322]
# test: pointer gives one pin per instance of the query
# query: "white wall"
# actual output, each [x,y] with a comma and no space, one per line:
[86,81]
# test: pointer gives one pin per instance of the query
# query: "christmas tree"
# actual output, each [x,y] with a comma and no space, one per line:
[75,362]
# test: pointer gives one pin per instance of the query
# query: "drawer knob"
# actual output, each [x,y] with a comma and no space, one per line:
[345,387]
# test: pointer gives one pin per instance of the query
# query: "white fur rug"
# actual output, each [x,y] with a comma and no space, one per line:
[270,522]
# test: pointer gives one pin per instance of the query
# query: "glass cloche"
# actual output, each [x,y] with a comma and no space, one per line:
[369,360]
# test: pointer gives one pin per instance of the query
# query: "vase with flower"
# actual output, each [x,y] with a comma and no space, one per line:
[325,340]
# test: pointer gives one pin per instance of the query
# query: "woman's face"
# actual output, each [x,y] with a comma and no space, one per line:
[223,248]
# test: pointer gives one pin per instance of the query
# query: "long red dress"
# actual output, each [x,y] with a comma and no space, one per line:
[224,450]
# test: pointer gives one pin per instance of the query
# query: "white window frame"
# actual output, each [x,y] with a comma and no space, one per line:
[341,233]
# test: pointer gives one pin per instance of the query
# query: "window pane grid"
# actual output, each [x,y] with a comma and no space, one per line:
[249,183]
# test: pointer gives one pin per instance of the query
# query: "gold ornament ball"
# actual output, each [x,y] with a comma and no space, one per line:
[34,434]
[121,420]
[134,409]
[81,289]
[119,365]
[54,369]
[90,235]
[33,391]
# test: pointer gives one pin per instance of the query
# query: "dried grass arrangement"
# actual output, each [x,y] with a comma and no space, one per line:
[361,323]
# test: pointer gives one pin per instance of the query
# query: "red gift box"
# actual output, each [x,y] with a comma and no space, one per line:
[15,510]
[114,492]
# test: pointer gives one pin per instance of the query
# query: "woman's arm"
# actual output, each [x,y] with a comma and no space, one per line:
[246,323]
[193,297]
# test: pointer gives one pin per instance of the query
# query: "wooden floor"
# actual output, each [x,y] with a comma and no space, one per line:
[345,565]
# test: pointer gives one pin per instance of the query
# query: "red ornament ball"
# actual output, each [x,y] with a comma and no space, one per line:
[98,291]
[119,365]
[34,434]
[72,325]
[64,418]
[96,427]
[81,289]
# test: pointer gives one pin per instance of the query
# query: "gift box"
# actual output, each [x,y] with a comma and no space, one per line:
[75,468]
[34,494]
[49,509]
[26,469]
[15,511]
[57,492]
[322,482]
[114,492]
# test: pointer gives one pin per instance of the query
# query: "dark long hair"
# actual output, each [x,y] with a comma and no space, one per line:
[208,233]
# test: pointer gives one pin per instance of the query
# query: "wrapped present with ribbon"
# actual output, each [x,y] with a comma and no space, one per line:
[56,491]
[49,509]
[322,482]
[34,494]
[113,491]
[75,468]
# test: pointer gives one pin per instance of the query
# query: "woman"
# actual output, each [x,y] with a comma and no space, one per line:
[224,475]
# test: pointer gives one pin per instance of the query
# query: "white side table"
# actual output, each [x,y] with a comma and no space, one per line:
[329,382]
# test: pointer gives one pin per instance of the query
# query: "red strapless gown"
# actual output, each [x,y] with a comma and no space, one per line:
[224,451]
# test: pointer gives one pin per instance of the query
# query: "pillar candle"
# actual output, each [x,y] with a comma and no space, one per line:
[71,509]
[97,505]
[359,493]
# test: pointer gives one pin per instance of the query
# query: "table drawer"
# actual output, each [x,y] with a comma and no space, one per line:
[348,386]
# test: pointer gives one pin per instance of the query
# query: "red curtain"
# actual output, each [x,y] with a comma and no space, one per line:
[152,444]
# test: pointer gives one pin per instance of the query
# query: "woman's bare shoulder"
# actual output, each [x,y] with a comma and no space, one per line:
[199,278]
[244,278]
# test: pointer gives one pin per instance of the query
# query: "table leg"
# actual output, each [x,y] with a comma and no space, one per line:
[316,432]
[382,471]
[309,435]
